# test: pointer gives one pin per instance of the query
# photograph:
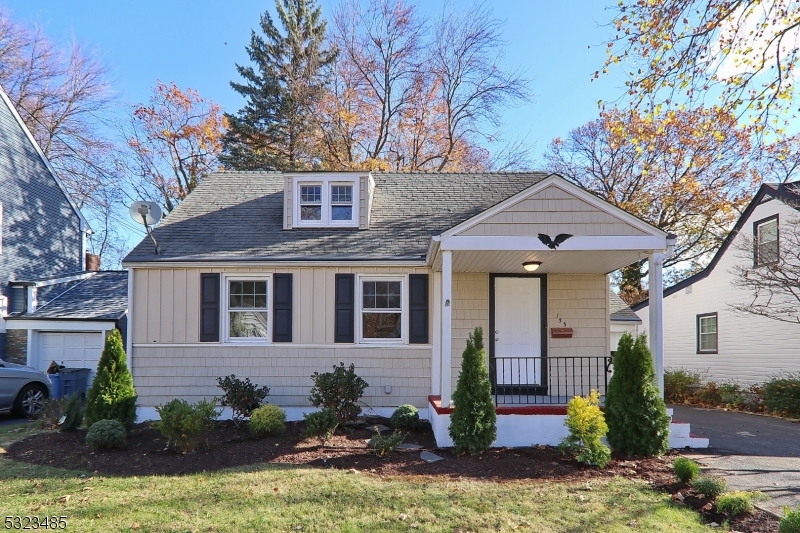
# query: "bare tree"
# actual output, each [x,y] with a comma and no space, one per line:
[775,286]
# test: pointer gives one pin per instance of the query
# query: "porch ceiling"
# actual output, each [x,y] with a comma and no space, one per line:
[553,262]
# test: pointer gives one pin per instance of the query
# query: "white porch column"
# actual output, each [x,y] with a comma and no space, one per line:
[655,308]
[447,330]
[436,361]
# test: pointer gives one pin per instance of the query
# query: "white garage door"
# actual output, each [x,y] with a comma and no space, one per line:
[79,350]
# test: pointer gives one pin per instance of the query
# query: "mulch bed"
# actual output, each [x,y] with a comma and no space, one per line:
[145,453]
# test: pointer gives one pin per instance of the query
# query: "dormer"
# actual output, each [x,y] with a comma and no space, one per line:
[327,200]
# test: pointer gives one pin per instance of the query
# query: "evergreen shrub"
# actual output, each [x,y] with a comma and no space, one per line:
[339,391]
[638,423]
[73,413]
[268,420]
[242,396]
[321,424]
[185,425]
[711,486]
[586,426]
[112,396]
[405,417]
[473,423]
[106,435]
[685,469]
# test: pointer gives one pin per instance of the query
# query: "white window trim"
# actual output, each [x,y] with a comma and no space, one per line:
[226,279]
[403,279]
[326,183]
[700,333]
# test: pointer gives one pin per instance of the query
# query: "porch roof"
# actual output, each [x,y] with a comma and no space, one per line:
[601,238]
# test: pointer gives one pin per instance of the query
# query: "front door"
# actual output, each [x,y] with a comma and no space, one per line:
[517,365]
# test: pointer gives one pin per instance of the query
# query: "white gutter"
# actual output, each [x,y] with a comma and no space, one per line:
[250,264]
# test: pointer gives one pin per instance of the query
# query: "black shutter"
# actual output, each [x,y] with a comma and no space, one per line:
[418,308]
[209,307]
[282,308]
[344,324]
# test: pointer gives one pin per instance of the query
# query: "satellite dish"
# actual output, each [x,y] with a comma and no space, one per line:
[145,213]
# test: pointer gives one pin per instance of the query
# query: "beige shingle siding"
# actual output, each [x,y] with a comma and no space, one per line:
[751,348]
[288,205]
[162,373]
[553,211]
[167,308]
[470,310]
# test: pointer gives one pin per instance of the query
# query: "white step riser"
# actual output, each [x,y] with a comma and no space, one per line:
[679,430]
[690,442]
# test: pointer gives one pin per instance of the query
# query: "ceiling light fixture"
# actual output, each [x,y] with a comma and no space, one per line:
[531,266]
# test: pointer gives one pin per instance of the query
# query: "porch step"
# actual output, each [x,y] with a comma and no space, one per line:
[679,429]
[691,441]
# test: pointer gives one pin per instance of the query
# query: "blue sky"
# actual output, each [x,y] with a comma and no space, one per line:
[196,44]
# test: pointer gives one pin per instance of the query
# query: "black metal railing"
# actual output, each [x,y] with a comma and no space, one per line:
[547,380]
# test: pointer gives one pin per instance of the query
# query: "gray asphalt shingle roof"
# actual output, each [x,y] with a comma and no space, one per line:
[103,296]
[239,215]
[620,312]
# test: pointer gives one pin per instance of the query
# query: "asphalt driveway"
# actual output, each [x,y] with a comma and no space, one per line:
[753,452]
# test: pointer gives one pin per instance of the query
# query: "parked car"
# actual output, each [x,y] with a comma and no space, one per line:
[23,389]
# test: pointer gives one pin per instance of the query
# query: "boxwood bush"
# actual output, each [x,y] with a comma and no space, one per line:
[685,469]
[106,435]
[321,424]
[268,420]
[185,425]
[405,417]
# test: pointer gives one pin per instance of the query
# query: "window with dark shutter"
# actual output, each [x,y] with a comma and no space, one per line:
[418,309]
[282,308]
[344,322]
[209,307]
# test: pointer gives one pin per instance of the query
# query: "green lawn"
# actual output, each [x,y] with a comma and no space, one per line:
[274,498]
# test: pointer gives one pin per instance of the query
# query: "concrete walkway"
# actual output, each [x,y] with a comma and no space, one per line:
[753,452]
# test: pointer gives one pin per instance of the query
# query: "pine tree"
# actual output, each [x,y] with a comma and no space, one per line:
[112,396]
[473,423]
[638,423]
[274,130]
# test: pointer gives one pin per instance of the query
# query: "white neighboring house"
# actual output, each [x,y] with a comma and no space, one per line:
[701,330]
[623,319]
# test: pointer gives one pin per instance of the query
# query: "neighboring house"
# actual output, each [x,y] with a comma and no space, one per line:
[623,320]
[42,249]
[703,333]
[276,276]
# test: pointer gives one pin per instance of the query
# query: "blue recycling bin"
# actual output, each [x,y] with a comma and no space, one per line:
[55,381]
[73,380]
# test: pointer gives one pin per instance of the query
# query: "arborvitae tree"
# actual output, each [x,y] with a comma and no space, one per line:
[274,130]
[638,423]
[473,423]
[112,396]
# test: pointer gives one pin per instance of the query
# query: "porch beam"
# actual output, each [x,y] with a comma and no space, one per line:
[532,243]
[447,330]
[656,314]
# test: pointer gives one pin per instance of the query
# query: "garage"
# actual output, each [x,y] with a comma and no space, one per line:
[71,349]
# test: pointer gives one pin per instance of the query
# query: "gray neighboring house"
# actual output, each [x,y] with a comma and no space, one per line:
[42,243]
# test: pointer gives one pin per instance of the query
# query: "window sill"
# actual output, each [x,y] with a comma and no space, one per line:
[707,352]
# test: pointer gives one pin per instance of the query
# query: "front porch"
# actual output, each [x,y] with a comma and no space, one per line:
[544,309]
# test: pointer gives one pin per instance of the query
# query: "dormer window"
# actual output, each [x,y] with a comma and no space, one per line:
[329,201]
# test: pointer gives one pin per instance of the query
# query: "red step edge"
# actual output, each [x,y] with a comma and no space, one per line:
[436,403]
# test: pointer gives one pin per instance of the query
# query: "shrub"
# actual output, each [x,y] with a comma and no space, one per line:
[731,394]
[685,469]
[321,424]
[680,384]
[112,396]
[243,397]
[473,423]
[106,435]
[184,425]
[636,415]
[711,486]
[389,443]
[50,414]
[72,413]
[339,390]
[790,522]
[405,417]
[709,394]
[737,502]
[782,395]
[268,420]
[586,426]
